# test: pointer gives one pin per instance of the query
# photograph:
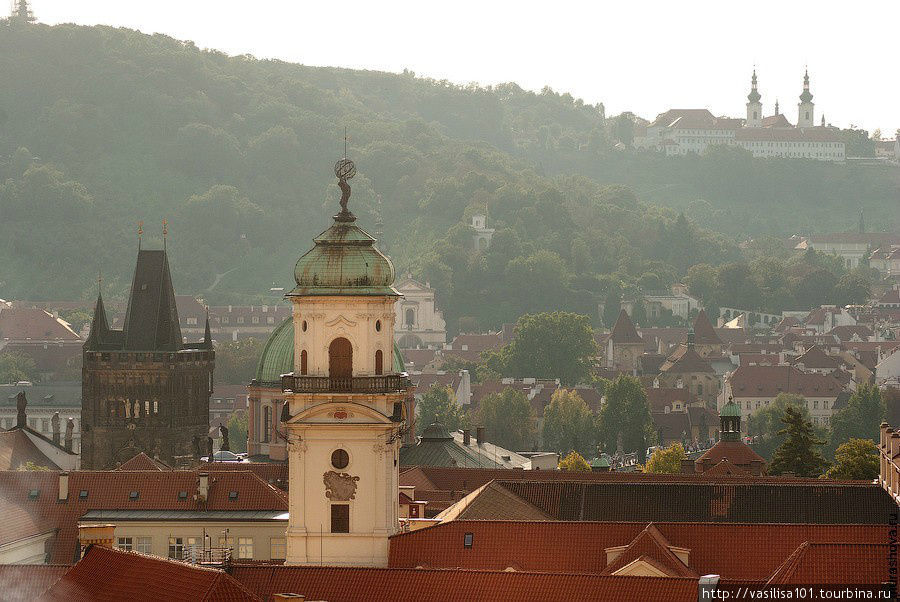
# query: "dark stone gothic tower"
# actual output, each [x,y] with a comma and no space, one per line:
[143,389]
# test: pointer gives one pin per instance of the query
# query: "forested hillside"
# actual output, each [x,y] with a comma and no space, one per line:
[102,127]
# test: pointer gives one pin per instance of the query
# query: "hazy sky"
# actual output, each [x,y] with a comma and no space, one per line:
[639,55]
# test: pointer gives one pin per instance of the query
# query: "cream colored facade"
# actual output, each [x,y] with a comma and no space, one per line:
[358,423]
[251,539]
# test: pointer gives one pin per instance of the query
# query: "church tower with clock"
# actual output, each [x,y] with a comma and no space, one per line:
[344,412]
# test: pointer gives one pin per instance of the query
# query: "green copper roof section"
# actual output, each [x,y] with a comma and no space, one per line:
[399,364]
[278,355]
[344,261]
[730,409]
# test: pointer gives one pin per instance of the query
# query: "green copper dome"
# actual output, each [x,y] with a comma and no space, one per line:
[344,261]
[278,356]
[730,409]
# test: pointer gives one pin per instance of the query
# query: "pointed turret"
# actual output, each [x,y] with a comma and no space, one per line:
[99,327]
[704,333]
[624,331]
[207,334]
[754,106]
[805,117]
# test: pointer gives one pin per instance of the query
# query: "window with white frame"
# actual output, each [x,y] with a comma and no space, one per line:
[176,547]
[143,544]
[125,543]
[245,547]
[278,548]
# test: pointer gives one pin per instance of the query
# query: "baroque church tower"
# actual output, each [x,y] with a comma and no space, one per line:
[754,105]
[344,411]
[143,389]
[805,116]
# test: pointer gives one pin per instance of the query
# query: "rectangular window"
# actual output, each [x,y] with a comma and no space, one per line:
[278,548]
[267,423]
[245,547]
[340,518]
[255,319]
[226,542]
[125,543]
[143,544]
[176,548]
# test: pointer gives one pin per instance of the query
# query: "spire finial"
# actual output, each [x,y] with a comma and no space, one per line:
[165,224]
[140,233]
[344,170]
[99,282]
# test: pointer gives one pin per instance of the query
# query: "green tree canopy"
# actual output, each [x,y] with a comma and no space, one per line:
[666,459]
[438,404]
[548,345]
[569,425]
[237,431]
[764,425]
[857,459]
[575,462]
[508,418]
[799,453]
[860,418]
[625,417]
[236,361]
[15,366]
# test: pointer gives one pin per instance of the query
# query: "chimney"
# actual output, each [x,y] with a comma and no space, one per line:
[203,488]
[63,486]
[54,423]
[479,435]
[467,437]
[96,535]
[70,429]
[687,466]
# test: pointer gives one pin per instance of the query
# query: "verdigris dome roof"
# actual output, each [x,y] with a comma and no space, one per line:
[278,355]
[344,261]
[730,409]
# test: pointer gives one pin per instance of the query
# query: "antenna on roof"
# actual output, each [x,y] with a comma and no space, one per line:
[140,233]
[165,232]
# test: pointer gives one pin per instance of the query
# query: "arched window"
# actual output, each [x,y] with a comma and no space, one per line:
[340,358]
[379,362]
[303,367]
[410,317]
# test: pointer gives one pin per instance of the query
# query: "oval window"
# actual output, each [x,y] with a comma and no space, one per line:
[377,325]
[304,326]
[340,459]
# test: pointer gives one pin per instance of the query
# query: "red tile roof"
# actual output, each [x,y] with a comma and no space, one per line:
[769,381]
[26,582]
[16,448]
[726,469]
[704,332]
[734,551]
[158,490]
[140,462]
[835,564]
[19,323]
[107,574]
[814,358]
[736,452]
[650,544]
[624,332]
[685,360]
[344,584]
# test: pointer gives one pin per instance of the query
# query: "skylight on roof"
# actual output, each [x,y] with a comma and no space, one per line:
[82,495]
[467,540]
[134,495]
[232,495]
[182,495]
[33,494]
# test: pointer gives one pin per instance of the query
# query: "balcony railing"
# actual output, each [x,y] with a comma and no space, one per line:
[386,383]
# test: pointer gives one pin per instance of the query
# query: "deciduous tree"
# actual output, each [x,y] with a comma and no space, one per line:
[576,462]
[625,417]
[569,424]
[509,419]
[438,404]
[666,459]
[857,459]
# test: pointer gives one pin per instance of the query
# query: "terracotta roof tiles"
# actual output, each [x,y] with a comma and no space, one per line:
[26,582]
[624,332]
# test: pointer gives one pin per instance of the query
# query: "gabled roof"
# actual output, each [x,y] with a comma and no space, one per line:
[650,545]
[624,332]
[815,358]
[22,323]
[727,469]
[704,333]
[110,574]
[437,447]
[734,551]
[17,448]
[776,121]
[736,452]
[142,461]
[769,381]
[685,360]
[835,564]
[847,332]
[492,499]
[351,584]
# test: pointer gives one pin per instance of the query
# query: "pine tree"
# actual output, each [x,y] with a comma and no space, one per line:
[798,453]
